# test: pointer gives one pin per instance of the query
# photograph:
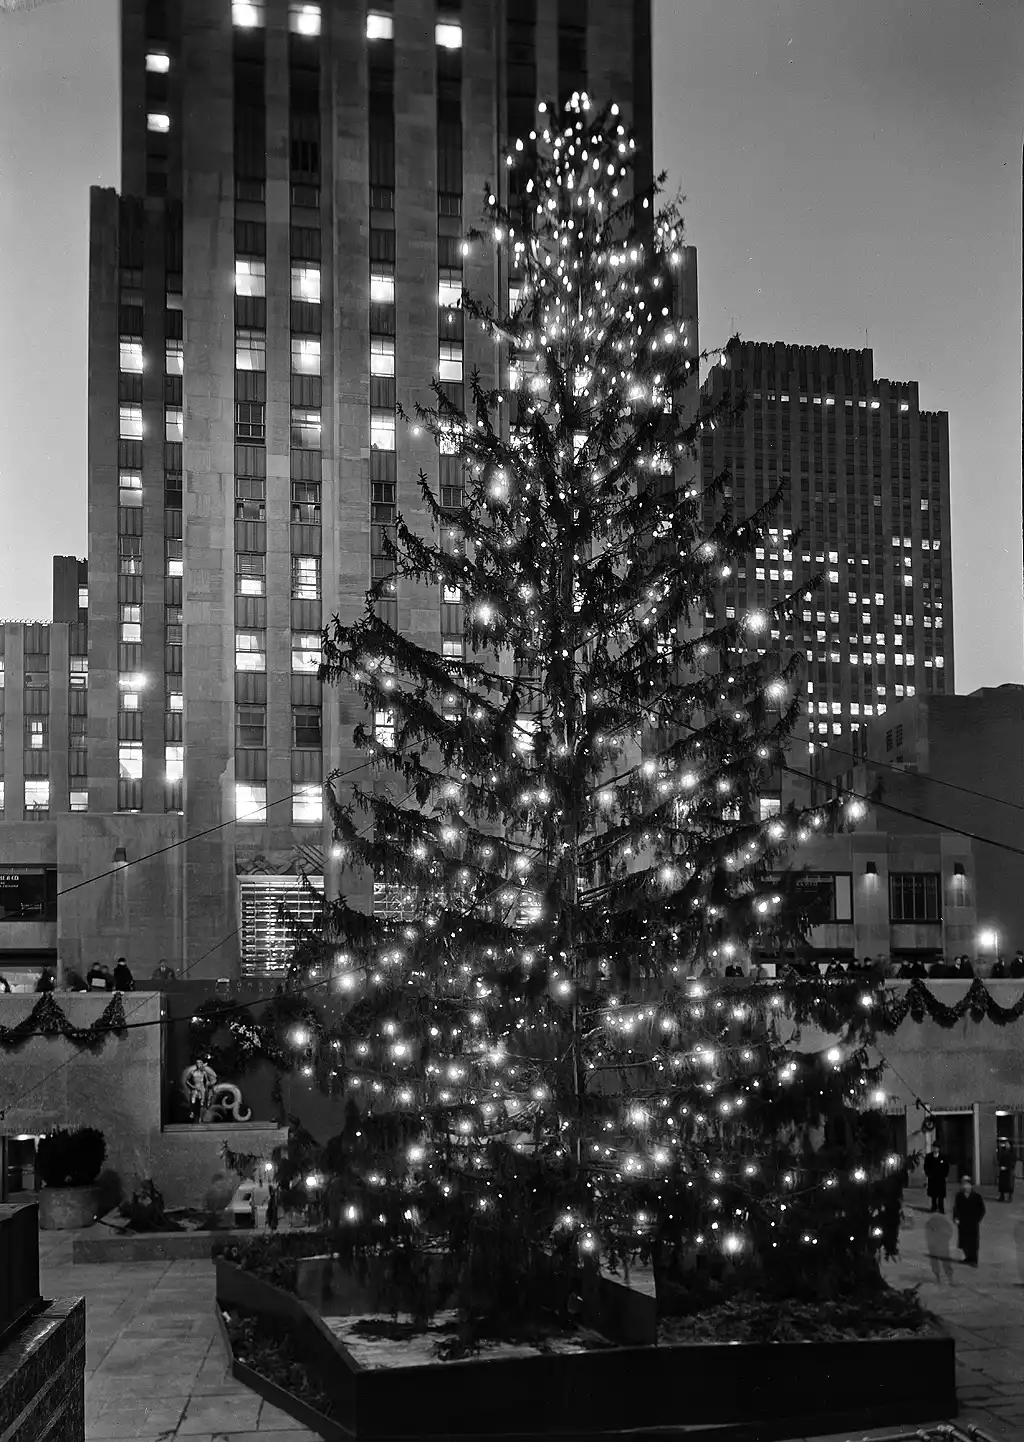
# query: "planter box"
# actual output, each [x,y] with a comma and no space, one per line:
[105,1245]
[721,1390]
[62,1209]
[284,1401]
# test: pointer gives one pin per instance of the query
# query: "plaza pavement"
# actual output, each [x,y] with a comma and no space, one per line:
[156,1368]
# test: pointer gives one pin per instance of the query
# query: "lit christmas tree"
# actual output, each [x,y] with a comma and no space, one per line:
[533,1075]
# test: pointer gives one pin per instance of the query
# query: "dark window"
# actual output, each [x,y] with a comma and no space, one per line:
[824,896]
[250,727]
[914,896]
[307,728]
[250,421]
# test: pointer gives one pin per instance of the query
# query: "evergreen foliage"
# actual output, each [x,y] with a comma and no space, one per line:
[563,825]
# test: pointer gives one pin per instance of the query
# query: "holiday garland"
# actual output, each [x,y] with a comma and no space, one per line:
[47,1019]
[978,1002]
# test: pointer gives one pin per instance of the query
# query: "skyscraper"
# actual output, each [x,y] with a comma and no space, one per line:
[279,278]
[865,507]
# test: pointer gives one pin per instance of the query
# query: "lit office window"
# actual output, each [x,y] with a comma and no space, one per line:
[382,430]
[306,283]
[174,424]
[130,423]
[250,350]
[449,290]
[379,27]
[158,122]
[37,735]
[449,366]
[250,276]
[305,355]
[37,797]
[307,806]
[448,36]
[247,14]
[305,578]
[384,729]
[78,801]
[129,488]
[131,356]
[304,19]
[250,651]
[382,289]
[382,356]
[306,654]
[129,760]
[174,759]
[157,63]
[174,358]
[251,803]
[250,573]
[305,429]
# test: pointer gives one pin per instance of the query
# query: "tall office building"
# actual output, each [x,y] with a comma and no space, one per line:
[865,507]
[278,278]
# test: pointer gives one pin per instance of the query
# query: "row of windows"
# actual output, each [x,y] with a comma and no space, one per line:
[131,359]
[37,798]
[251,652]
[827,897]
[251,804]
[251,279]
[251,727]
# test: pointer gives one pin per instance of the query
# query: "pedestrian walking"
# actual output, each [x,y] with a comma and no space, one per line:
[968,1210]
[1006,1160]
[936,1169]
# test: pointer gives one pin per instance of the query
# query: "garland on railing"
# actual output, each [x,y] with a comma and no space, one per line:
[47,1019]
[978,1003]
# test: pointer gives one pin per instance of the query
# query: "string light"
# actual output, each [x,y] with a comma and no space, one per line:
[517,1003]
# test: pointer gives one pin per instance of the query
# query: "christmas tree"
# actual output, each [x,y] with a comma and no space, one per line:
[564,825]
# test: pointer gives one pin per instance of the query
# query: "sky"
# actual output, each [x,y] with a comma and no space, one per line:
[852,174]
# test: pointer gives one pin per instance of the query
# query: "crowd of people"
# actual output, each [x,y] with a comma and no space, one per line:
[98,978]
[881,968]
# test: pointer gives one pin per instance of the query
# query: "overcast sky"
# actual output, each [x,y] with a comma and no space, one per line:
[850,166]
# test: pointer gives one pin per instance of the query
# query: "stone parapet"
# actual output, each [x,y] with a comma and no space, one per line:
[42,1376]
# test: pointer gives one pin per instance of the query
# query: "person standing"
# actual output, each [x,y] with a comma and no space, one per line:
[936,1169]
[123,979]
[1006,1160]
[968,1210]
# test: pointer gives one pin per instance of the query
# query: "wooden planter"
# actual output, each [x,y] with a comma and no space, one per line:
[697,1390]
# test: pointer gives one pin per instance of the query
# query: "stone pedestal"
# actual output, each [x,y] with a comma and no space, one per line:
[42,1376]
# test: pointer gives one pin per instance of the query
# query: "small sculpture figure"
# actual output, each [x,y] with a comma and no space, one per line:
[210,1100]
[199,1081]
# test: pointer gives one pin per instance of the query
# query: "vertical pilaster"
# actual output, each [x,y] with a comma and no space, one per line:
[208,600]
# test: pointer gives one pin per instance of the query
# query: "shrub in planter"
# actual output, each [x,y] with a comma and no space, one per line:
[69,1162]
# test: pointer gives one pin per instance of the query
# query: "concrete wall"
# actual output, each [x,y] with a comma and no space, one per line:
[957,767]
[136,911]
[118,1088]
[871,933]
[975,1067]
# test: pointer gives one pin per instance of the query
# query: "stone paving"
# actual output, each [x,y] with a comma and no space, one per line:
[156,1368]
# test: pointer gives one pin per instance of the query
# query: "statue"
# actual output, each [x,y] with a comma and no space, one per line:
[210,1100]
